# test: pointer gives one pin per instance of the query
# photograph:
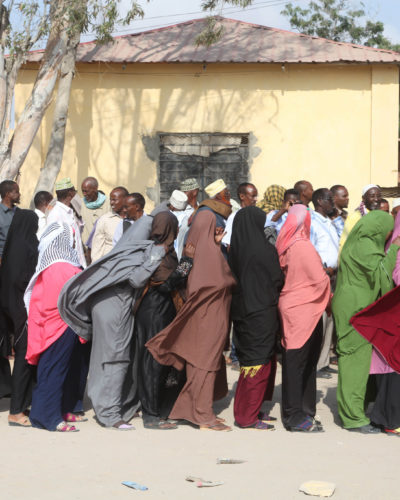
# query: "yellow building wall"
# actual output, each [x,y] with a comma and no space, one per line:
[329,124]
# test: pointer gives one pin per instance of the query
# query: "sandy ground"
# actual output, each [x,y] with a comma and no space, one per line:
[90,464]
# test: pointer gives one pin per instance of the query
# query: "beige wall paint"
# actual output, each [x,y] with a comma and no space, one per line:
[328,124]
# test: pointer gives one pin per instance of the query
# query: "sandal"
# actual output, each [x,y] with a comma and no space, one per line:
[122,426]
[64,427]
[392,432]
[22,422]
[308,425]
[161,425]
[217,426]
[72,417]
[259,425]
[263,415]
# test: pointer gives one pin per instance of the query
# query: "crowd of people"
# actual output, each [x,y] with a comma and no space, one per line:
[141,307]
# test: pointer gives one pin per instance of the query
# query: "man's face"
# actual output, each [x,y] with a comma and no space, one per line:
[249,198]
[384,206]
[131,208]
[192,194]
[395,211]
[308,192]
[341,198]
[117,198]
[89,191]
[326,203]
[224,196]
[291,199]
[372,199]
[15,195]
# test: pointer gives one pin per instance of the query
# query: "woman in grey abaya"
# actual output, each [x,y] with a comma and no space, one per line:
[98,306]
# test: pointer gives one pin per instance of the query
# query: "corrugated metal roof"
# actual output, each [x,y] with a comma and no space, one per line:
[241,43]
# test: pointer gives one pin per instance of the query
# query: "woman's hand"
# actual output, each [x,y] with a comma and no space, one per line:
[219,234]
[189,250]
[396,241]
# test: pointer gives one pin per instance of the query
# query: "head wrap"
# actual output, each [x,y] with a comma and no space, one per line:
[164,229]
[296,227]
[56,245]
[215,187]
[178,200]
[254,262]
[396,203]
[189,185]
[273,198]
[62,184]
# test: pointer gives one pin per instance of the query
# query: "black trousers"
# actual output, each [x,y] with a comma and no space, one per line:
[5,377]
[299,384]
[386,411]
[22,375]
[5,351]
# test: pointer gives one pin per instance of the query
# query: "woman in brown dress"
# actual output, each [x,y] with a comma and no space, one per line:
[196,338]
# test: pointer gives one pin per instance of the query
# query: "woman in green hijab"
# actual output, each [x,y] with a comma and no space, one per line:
[365,274]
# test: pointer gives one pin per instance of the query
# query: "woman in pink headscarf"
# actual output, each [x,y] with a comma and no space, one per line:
[303,299]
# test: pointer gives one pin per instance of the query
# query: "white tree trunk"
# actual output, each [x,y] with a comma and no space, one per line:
[52,165]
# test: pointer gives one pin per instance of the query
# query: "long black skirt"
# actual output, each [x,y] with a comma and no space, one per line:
[254,336]
[158,385]
[386,410]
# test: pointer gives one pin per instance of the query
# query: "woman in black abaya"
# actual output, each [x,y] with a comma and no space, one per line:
[17,267]
[254,312]
[159,385]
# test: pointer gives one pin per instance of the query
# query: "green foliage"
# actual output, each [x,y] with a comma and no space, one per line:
[214,4]
[337,20]
[103,17]
[26,23]
[213,30]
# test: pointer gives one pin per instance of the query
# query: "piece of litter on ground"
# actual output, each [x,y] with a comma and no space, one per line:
[203,483]
[318,488]
[230,461]
[135,486]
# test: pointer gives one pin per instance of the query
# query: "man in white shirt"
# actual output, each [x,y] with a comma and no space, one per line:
[62,212]
[325,239]
[105,227]
[133,210]
[41,202]
[248,196]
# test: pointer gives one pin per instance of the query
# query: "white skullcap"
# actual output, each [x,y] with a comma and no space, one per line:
[178,200]
[368,187]
[396,203]
[215,188]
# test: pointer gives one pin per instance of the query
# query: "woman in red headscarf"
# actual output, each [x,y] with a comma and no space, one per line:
[302,301]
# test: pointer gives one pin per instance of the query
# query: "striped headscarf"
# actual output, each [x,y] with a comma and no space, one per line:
[56,245]
[273,198]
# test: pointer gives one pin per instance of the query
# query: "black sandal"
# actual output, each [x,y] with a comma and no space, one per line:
[161,425]
[308,425]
